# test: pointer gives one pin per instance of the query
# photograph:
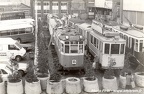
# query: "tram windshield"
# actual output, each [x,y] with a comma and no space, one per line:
[74,47]
[114,48]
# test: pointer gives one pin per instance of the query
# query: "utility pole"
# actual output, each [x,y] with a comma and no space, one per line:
[32,5]
[42,11]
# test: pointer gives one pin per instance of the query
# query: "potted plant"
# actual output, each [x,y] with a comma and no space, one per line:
[2,86]
[73,85]
[43,73]
[122,77]
[43,67]
[32,84]
[55,84]
[139,76]
[109,81]
[90,82]
[14,83]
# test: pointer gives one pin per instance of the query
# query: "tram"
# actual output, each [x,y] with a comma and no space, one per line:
[104,44]
[134,40]
[69,45]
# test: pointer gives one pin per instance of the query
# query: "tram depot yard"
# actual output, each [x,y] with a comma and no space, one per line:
[70,50]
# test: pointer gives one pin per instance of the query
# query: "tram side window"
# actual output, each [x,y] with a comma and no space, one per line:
[95,42]
[107,46]
[122,49]
[114,48]
[136,45]
[62,47]
[91,39]
[141,46]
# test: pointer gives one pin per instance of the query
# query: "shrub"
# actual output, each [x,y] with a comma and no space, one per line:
[30,76]
[109,74]
[15,77]
[90,74]
[55,77]
[43,68]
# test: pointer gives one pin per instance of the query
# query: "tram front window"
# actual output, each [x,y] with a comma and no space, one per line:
[114,48]
[74,47]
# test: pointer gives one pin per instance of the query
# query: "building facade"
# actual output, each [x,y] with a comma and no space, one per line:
[133,10]
[16,7]
[59,7]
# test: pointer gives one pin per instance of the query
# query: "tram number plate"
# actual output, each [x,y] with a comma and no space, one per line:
[73,62]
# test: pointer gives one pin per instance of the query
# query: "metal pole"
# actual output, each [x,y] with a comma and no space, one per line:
[36,32]
[121,11]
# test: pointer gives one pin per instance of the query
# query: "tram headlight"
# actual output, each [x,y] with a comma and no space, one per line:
[81,37]
[67,37]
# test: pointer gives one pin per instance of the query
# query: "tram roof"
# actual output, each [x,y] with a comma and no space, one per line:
[85,26]
[72,33]
[76,20]
[131,32]
[104,38]
[110,23]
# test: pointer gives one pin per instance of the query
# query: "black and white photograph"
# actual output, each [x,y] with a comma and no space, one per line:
[71,46]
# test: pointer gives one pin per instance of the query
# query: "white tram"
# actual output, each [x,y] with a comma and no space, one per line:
[69,44]
[106,44]
[134,37]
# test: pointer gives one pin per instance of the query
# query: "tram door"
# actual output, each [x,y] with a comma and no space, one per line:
[132,48]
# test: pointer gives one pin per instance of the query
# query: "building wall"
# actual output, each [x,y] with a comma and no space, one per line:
[62,6]
[132,9]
